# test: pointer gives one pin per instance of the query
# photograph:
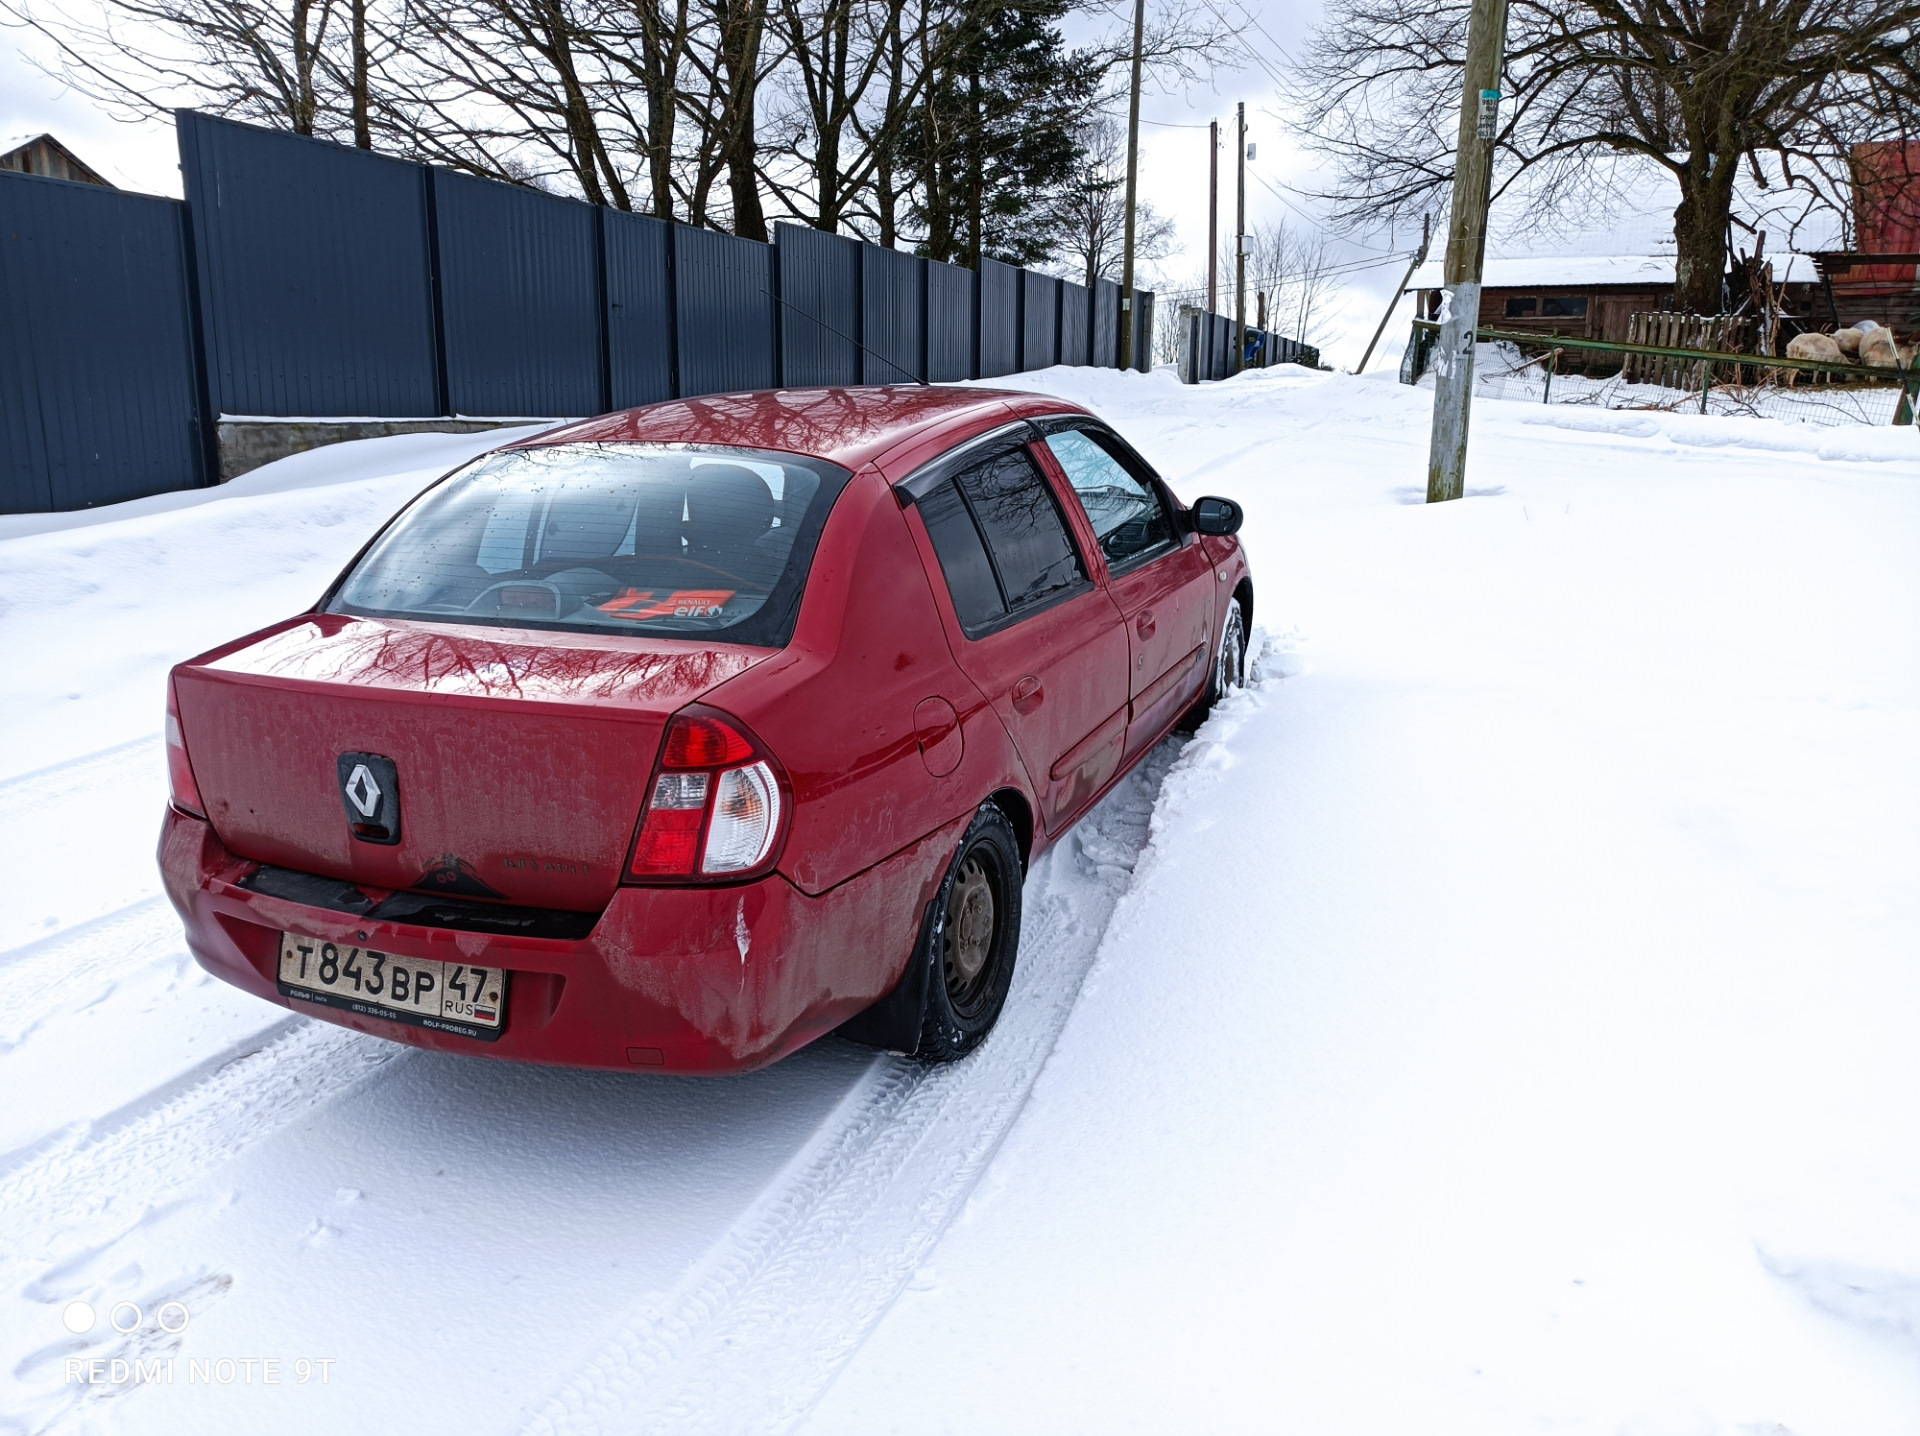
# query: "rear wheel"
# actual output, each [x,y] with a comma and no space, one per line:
[1229,668]
[971,943]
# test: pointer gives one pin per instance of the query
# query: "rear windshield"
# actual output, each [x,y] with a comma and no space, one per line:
[606,538]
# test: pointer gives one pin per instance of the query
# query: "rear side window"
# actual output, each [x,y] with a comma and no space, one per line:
[1001,540]
[620,538]
[1127,516]
[963,558]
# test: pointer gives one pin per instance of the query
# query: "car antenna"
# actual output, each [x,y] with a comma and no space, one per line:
[848,337]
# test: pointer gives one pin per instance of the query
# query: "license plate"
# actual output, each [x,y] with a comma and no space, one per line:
[453,997]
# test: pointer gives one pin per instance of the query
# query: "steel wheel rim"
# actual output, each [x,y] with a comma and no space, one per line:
[970,939]
[1231,647]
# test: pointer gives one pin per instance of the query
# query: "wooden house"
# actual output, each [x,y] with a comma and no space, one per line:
[1583,275]
[44,155]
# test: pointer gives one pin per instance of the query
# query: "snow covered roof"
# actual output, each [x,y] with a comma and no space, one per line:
[1546,271]
[1620,230]
[14,155]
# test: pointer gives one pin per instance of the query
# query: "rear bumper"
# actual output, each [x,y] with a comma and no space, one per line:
[692,980]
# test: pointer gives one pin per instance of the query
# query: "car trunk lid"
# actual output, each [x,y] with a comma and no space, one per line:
[521,758]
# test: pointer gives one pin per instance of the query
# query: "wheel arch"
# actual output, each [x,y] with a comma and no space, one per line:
[1013,803]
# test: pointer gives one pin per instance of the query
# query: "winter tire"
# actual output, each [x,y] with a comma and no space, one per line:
[971,941]
[1229,667]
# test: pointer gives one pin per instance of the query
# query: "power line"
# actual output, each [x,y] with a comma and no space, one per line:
[1277,281]
[1315,222]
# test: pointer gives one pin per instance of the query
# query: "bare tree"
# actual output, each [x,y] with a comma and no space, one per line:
[958,118]
[837,49]
[507,89]
[1092,213]
[1693,86]
[254,60]
[1291,274]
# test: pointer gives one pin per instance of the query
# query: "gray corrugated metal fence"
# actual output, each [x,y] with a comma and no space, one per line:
[893,316]
[725,312]
[99,380]
[305,279]
[998,344]
[1106,324]
[316,278]
[1076,324]
[953,332]
[1206,347]
[819,307]
[1040,316]
[639,296]
[519,299]
[1143,330]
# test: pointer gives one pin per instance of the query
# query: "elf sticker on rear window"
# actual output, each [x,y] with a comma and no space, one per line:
[638,605]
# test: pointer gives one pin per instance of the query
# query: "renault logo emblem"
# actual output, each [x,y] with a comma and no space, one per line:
[370,795]
[362,791]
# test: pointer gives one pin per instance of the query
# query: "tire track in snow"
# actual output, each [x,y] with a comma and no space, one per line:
[756,1332]
[82,964]
[83,1189]
[68,847]
[41,787]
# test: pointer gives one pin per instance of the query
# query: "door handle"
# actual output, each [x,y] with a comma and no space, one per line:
[1144,624]
[1027,694]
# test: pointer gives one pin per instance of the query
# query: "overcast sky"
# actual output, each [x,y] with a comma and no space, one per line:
[1173,164]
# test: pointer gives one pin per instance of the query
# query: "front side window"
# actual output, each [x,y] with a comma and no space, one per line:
[611,538]
[1128,518]
[1001,541]
[1564,306]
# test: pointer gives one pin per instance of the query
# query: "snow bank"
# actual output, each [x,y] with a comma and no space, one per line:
[98,604]
[1511,1027]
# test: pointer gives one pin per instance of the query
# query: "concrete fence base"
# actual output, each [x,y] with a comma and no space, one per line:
[246,444]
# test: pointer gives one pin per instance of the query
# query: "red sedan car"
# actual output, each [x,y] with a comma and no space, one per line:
[680,737]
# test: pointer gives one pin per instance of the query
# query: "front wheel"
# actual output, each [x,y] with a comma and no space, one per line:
[1229,668]
[972,941]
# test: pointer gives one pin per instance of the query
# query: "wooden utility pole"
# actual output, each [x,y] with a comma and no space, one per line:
[1240,244]
[1466,249]
[1393,303]
[1133,182]
[1213,216]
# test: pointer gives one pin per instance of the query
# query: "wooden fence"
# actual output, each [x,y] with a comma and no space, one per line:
[1721,333]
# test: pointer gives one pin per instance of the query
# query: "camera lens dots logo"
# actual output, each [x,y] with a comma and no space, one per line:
[80,1318]
[161,1367]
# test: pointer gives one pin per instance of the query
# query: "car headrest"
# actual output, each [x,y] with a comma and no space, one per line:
[587,526]
[727,506]
[661,509]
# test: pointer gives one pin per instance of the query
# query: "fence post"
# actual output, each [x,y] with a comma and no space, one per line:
[1553,358]
[674,390]
[206,417]
[606,335]
[442,378]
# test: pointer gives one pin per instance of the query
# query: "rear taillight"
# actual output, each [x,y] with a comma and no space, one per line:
[186,792]
[715,809]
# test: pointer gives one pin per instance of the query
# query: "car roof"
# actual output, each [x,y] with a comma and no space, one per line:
[849,426]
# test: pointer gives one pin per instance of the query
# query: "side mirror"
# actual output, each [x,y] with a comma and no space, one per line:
[1219,517]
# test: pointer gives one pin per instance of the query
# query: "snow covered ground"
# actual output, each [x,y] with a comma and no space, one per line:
[1503,370]
[1505,1017]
